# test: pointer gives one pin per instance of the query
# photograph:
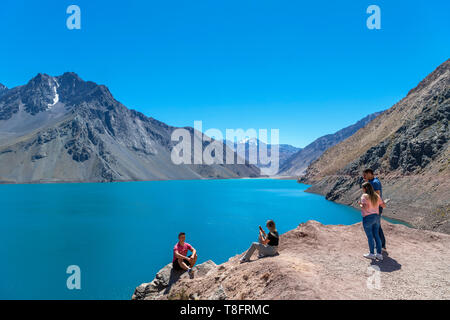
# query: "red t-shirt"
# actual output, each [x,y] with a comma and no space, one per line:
[181,249]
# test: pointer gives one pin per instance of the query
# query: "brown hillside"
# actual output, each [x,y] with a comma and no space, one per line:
[408,147]
[384,126]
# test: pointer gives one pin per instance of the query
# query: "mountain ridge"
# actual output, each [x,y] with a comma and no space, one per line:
[408,147]
[297,163]
[3,89]
[64,129]
[284,152]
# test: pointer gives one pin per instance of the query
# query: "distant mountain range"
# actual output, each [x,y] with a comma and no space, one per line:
[297,163]
[408,147]
[66,129]
[285,151]
[56,129]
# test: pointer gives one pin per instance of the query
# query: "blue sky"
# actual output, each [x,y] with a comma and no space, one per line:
[307,68]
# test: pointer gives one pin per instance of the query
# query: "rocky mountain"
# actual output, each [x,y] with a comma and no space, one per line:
[66,129]
[285,151]
[296,164]
[3,89]
[408,146]
[319,262]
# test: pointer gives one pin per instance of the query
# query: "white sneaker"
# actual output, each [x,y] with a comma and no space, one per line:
[370,256]
[379,256]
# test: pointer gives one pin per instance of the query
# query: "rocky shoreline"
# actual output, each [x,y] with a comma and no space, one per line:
[319,261]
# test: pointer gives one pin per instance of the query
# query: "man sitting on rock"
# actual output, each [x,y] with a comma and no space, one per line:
[180,259]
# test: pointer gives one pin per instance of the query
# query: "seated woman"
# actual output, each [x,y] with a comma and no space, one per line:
[267,245]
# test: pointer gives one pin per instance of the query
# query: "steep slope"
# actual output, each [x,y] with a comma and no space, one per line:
[286,151]
[408,145]
[296,164]
[66,129]
[320,262]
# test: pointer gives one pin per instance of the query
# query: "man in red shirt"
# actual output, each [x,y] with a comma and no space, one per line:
[181,261]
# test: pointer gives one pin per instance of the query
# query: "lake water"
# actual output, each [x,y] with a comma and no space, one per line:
[121,234]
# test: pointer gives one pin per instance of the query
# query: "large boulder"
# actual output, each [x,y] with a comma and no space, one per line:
[165,278]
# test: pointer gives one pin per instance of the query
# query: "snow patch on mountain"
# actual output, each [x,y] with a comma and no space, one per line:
[56,95]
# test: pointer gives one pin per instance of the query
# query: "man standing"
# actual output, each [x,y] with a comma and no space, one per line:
[180,259]
[376,184]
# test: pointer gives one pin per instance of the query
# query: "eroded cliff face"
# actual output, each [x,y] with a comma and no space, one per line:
[316,261]
[408,147]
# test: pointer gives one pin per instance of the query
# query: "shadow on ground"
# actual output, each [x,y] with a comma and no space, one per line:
[174,277]
[388,264]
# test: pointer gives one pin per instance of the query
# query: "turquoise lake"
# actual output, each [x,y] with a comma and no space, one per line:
[121,234]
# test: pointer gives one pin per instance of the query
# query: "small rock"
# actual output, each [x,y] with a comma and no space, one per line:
[219,294]
[194,296]
[204,268]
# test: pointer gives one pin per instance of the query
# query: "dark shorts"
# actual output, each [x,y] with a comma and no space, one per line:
[176,265]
